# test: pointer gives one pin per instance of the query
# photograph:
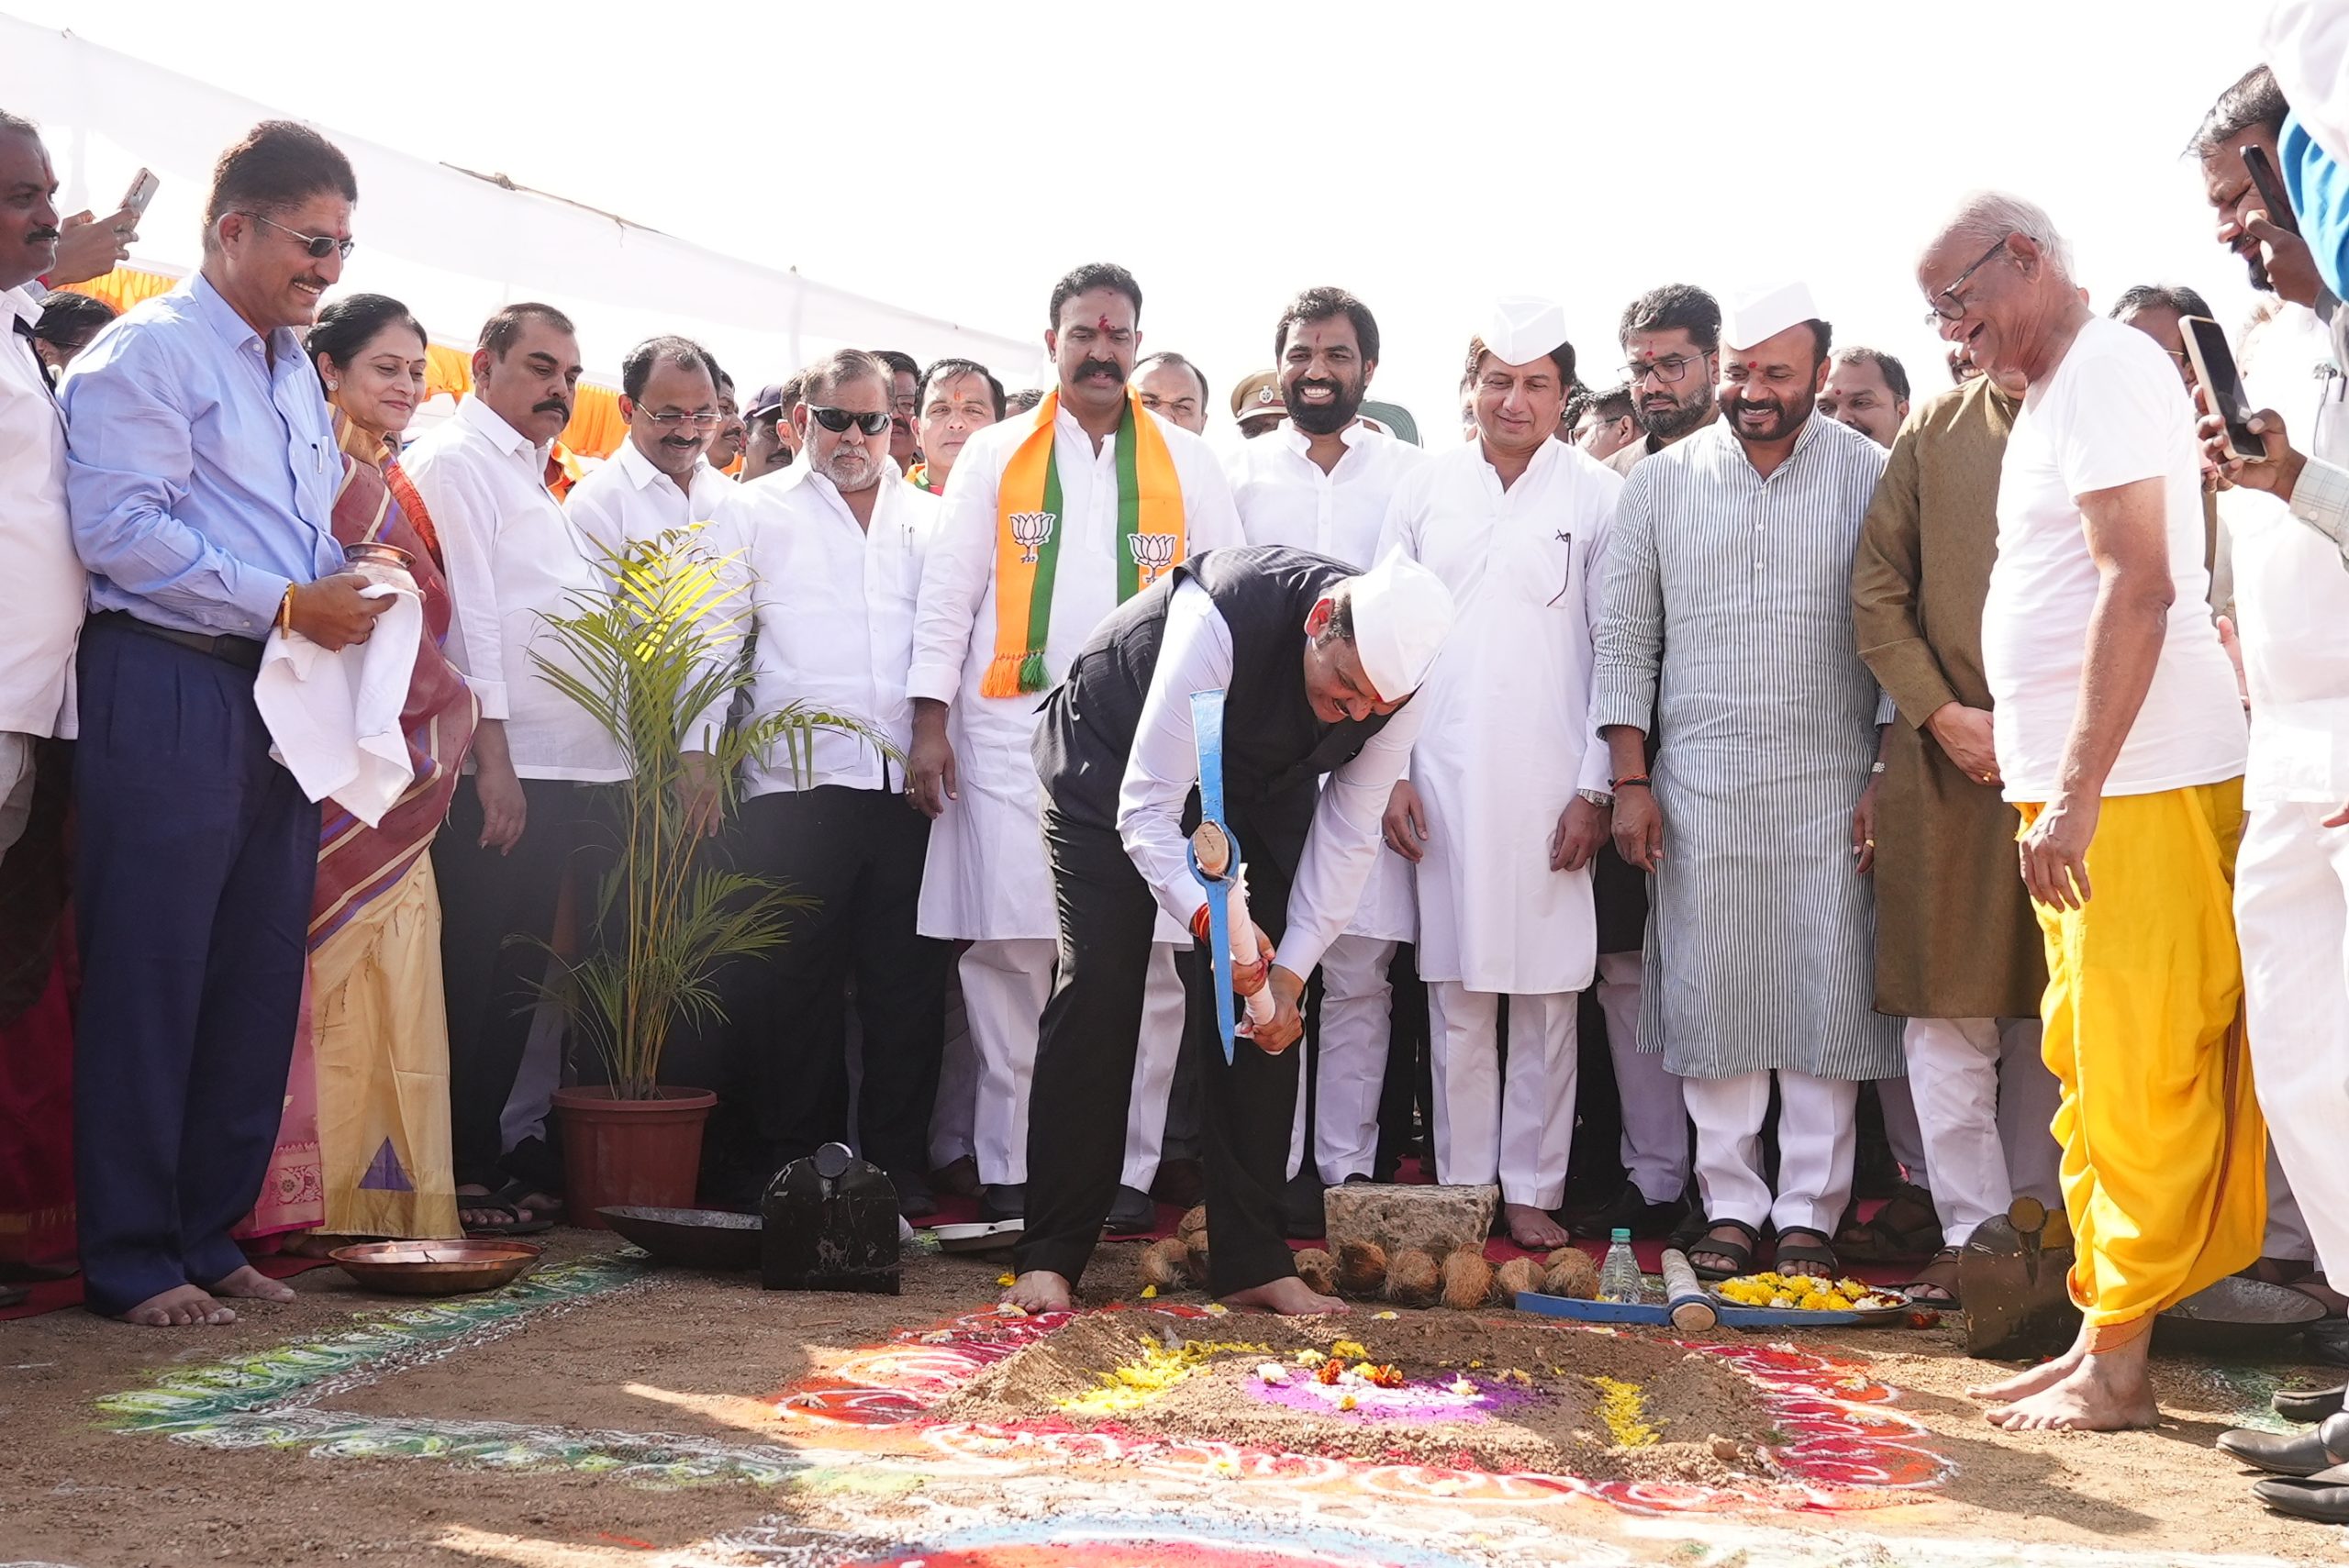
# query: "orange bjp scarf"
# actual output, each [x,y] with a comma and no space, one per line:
[1028,537]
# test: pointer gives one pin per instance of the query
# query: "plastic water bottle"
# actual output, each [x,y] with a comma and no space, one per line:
[1618,1276]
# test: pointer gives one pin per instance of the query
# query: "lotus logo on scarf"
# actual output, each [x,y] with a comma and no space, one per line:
[1029,530]
[1152,552]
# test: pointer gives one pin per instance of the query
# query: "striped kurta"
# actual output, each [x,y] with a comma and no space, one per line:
[1729,618]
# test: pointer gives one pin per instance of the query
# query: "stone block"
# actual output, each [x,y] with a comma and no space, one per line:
[1434,1221]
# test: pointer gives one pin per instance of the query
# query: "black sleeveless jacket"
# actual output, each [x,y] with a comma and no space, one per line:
[1275,750]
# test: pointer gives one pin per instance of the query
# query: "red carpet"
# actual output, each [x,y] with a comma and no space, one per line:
[55,1296]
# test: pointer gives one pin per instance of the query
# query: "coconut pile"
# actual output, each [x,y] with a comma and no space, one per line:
[1464,1279]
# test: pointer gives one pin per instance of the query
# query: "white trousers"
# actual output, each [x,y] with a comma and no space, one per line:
[1005,987]
[2287,1236]
[1654,1148]
[1897,1100]
[1985,1101]
[1357,1003]
[2292,920]
[1156,1050]
[1522,1132]
[1816,1139]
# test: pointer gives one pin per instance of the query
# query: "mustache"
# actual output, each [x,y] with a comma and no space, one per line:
[1100,367]
[553,406]
[42,236]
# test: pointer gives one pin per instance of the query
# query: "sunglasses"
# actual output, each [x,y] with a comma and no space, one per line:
[319,246]
[837,420]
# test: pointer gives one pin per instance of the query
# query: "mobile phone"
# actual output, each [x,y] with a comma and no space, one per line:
[2215,367]
[2271,190]
[141,191]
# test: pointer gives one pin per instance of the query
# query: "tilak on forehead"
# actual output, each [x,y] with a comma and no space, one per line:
[1103,323]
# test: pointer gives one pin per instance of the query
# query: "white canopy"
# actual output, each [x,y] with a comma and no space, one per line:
[454,246]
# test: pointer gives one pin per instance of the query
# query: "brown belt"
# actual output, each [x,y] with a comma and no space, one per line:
[242,652]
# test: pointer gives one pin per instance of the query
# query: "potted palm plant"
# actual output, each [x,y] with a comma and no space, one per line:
[650,657]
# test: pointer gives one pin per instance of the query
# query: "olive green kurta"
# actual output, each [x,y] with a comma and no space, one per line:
[1954,933]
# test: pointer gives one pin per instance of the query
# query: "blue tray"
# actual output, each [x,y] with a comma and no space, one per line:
[1581,1311]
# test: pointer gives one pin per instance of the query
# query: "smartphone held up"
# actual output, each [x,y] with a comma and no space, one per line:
[2214,368]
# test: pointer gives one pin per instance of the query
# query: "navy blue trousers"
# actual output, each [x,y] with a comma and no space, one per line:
[196,860]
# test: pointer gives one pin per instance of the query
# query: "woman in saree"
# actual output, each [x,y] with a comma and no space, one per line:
[372,1158]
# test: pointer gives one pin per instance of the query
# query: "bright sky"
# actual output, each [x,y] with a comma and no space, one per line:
[957,159]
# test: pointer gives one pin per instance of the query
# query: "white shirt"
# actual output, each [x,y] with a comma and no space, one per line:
[833,614]
[2291,592]
[628,501]
[1285,498]
[2113,413]
[1508,738]
[987,877]
[44,592]
[1195,655]
[514,559]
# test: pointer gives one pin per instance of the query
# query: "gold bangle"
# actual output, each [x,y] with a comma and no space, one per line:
[285,610]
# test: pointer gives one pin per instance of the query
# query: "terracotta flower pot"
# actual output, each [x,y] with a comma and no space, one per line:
[617,1152]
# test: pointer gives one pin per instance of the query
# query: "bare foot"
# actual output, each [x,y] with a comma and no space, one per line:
[181,1307]
[1039,1290]
[2108,1393]
[2044,1375]
[249,1284]
[1532,1228]
[1288,1296]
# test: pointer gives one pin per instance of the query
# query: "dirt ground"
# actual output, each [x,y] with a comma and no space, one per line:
[539,1438]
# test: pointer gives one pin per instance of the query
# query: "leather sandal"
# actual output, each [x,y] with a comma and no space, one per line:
[1944,1294]
[1820,1254]
[1740,1253]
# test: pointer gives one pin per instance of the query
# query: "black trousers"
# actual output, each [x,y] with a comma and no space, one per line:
[486,899]
[856,856]
[1084,1068]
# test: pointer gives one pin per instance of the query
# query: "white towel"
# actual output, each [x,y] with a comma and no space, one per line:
[335,717]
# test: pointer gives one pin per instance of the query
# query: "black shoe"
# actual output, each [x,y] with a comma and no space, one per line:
[1005,1200]
[1135,1212]
[915,1200]
[1301,1213]
[2310,1405]
[2324,1498]
[2327,1340]
[1630,1210]
[2303,1454]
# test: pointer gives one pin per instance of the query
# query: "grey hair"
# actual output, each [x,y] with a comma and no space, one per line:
[1985,217]
[18,124]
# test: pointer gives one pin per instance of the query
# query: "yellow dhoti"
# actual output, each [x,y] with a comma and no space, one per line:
[2164,1153]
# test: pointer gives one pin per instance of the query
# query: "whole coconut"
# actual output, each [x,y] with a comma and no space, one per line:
[1413,1278]
[1191,1230]
[1467,1279]
[1165,1264]
[1319,1270]
[1516,1274]
[1571,1274]
[1362,1268]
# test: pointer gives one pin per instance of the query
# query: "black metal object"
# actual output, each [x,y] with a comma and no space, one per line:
[690,1238]
[829,1222]
[2011,1276]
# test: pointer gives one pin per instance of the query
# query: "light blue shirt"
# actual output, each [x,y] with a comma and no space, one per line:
[201,470]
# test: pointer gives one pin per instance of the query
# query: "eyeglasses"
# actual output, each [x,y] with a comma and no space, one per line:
[700,418]
[319,246]
[837,420]
[1946,305]
[1668,370]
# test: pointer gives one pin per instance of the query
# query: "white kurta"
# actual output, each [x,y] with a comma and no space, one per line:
[43,592]
[1285,498]
[1508,739]
[988,878]
[628,501]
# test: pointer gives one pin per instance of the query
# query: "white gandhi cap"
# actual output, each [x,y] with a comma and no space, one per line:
[1757,314]
[1402,613]
[1523,328]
